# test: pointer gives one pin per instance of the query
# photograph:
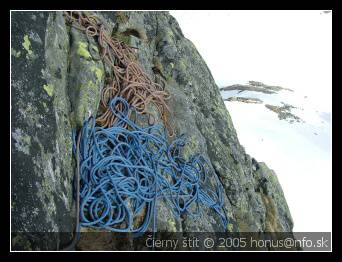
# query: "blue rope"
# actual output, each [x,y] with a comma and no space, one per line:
[125,169]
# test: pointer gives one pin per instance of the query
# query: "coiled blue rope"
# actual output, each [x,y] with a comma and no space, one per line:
[125,170]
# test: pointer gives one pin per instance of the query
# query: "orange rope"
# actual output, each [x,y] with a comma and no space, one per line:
[129,82]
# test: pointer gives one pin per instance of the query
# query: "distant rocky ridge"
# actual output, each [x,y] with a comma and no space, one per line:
[255,86]
[249,100]
[283,111]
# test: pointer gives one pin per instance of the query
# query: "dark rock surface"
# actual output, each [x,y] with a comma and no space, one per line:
[56,83]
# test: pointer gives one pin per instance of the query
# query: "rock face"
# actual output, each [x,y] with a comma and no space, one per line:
[56,83]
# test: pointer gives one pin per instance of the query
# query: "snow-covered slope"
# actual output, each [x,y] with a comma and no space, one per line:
[300,152]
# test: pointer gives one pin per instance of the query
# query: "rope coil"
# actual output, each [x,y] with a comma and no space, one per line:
[125,171]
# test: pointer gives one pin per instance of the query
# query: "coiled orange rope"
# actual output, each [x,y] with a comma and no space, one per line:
[129,80]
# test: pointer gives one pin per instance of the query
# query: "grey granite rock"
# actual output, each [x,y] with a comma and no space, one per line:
[56,83]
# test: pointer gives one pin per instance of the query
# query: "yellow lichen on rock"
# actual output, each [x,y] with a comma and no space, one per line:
[83,50]
[49,89]
[27,46]
[98,72]
[15,53]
